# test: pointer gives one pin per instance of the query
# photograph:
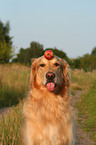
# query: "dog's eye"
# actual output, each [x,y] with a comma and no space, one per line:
[42,65]
[57,64]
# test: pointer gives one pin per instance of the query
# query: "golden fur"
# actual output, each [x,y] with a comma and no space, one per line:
[48,114]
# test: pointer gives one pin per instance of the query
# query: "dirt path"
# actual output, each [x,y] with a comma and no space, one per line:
[82,137]
[4,111]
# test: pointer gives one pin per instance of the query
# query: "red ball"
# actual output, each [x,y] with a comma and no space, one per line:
[48,54]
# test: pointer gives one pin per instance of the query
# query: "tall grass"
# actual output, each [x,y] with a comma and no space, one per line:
[82,80]
[13,84]
[10,127]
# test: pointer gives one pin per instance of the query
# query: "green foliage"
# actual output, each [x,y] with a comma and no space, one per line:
[25,55]
[6,49]
[93,51]
[87,62]
[5,52]
[77,63]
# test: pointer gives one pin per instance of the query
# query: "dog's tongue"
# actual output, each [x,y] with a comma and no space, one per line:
[50,86]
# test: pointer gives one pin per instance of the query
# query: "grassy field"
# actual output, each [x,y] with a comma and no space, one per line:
[14,86]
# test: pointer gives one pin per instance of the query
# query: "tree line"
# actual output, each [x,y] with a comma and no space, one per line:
[86,62]
[34,51]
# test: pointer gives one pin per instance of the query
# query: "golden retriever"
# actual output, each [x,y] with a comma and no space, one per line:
[47,110]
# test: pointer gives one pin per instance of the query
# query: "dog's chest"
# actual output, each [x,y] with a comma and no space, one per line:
[57,133]
[53,121]
[51,112]
[52,133]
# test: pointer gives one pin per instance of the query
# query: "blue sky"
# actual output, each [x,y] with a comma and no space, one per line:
[69,25]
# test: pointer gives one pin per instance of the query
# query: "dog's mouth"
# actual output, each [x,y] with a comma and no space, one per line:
[51,86]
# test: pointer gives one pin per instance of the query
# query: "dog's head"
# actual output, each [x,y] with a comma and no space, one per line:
[50,74]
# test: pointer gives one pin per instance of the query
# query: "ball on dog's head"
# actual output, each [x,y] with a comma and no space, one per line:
[48,54]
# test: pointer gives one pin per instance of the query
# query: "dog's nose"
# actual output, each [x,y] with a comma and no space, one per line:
[50,75]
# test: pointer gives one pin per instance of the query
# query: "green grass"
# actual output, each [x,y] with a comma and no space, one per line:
[87,109]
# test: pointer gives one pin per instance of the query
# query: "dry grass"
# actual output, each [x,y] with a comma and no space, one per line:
[82,80]
[13,83]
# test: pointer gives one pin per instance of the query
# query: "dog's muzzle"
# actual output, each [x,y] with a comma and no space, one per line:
[50,81]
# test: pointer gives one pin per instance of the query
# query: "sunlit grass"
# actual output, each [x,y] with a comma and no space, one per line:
[13,84]
[82,80]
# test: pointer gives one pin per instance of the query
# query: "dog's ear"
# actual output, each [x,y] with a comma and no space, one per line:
[66,72]
[33,72]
